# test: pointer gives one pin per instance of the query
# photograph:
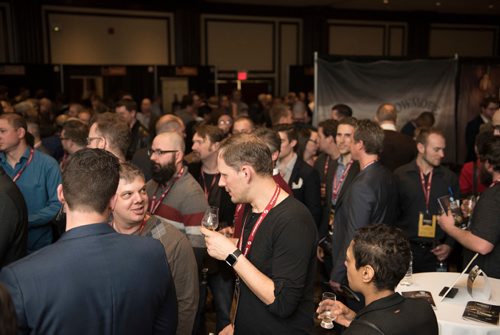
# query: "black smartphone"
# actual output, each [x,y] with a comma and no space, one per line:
[453,292]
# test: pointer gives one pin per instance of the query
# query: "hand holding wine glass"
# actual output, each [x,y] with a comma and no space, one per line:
[327,317]
[211,218]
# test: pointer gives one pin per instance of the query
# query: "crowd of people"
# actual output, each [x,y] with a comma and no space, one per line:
[101,210]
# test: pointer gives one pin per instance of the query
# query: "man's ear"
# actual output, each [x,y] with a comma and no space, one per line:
[21,132]
[247,172]
[293,143]
[215,146]
[60,194]
[420,148]
[367,274]
[112,202]
[275,155]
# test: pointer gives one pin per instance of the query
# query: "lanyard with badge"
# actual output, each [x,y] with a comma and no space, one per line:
[251,237]
[208,190]
[426,221]
[154,203]
[30,158]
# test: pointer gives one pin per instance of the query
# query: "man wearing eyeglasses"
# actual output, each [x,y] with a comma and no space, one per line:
[173,192]
[111,133]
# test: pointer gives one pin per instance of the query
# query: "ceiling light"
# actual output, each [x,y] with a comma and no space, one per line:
[491,6]
[386,2]
[438,4]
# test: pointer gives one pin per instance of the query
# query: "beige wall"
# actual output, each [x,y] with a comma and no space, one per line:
[464,40]
[265,47]
[363,38]
[108,37]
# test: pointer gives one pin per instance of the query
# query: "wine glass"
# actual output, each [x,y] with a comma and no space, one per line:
[326,316]
[211,218]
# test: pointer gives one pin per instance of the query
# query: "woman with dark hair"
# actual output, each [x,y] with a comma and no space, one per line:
[307,146]
[8,322]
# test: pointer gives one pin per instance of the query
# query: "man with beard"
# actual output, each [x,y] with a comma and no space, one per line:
[420,184]
[483,234]
[173,192]
[130,218]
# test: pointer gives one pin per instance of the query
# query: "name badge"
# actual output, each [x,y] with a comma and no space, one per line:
[426,225]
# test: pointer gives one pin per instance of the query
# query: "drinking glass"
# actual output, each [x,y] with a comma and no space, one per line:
[327,318]
[211,218]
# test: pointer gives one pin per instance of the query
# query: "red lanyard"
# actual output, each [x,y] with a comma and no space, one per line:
[261,218]
[205,190]
[327,162]
[155,204]
[426,188]
[30,158]
[337,184]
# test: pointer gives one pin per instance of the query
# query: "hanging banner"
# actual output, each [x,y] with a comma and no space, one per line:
[412,86]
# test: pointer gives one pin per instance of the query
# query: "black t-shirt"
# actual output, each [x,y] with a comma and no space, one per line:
[284,249]
[395,315]
[486,225]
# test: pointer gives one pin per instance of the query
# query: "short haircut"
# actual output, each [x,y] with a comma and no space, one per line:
[329,127]
[243,149]
[129,172]
[371,134]
[487,100]
[214,133]
[277,112]
[342,110]
[386,250]
[77,131]
[289,130]
[349,121]
[169,122]
[130,105]
[244,118]
[15,120]
[425,120]
[114,129]
[387,112]
[492,153]
[424,133]
[90,179]
[482,139]
[270,137]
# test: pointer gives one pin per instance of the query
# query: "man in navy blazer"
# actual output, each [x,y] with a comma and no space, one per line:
[371,198]
[303,179]
[93,280]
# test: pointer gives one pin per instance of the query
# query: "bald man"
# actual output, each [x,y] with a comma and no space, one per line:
[173,193]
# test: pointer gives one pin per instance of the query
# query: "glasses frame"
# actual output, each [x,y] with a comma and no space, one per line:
[160,152]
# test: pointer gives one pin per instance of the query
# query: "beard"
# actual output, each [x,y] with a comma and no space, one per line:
[485,177]
[162,174]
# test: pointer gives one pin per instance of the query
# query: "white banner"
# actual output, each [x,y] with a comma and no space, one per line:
[412,86]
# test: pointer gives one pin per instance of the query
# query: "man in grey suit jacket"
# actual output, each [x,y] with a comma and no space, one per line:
[371,198]
[93,280]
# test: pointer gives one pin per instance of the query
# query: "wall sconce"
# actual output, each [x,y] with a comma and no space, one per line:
[485,82]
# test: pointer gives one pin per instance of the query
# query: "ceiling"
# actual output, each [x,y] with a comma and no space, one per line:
[475,7]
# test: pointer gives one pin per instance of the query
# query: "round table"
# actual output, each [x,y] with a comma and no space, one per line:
[449,311]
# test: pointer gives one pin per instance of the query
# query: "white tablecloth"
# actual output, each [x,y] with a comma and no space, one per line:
[449,311]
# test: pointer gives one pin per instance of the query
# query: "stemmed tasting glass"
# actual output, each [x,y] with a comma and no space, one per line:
[211,218]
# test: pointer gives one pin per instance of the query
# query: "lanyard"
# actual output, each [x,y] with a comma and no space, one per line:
[261,218]
[205,190]
[426,188]
[325,171]
[155,204]
[337,184]
[30,158]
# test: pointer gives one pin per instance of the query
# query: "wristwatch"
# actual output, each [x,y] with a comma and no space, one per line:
[232,258]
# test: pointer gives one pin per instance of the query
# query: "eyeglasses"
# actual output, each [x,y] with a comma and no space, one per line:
[160,152]
[65,138]
[221,122]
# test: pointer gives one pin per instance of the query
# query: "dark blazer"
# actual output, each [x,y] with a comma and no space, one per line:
[305,184]
[94,281]
[325,216]
[13,221]
[371,198]
[399,149]
[471,130]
